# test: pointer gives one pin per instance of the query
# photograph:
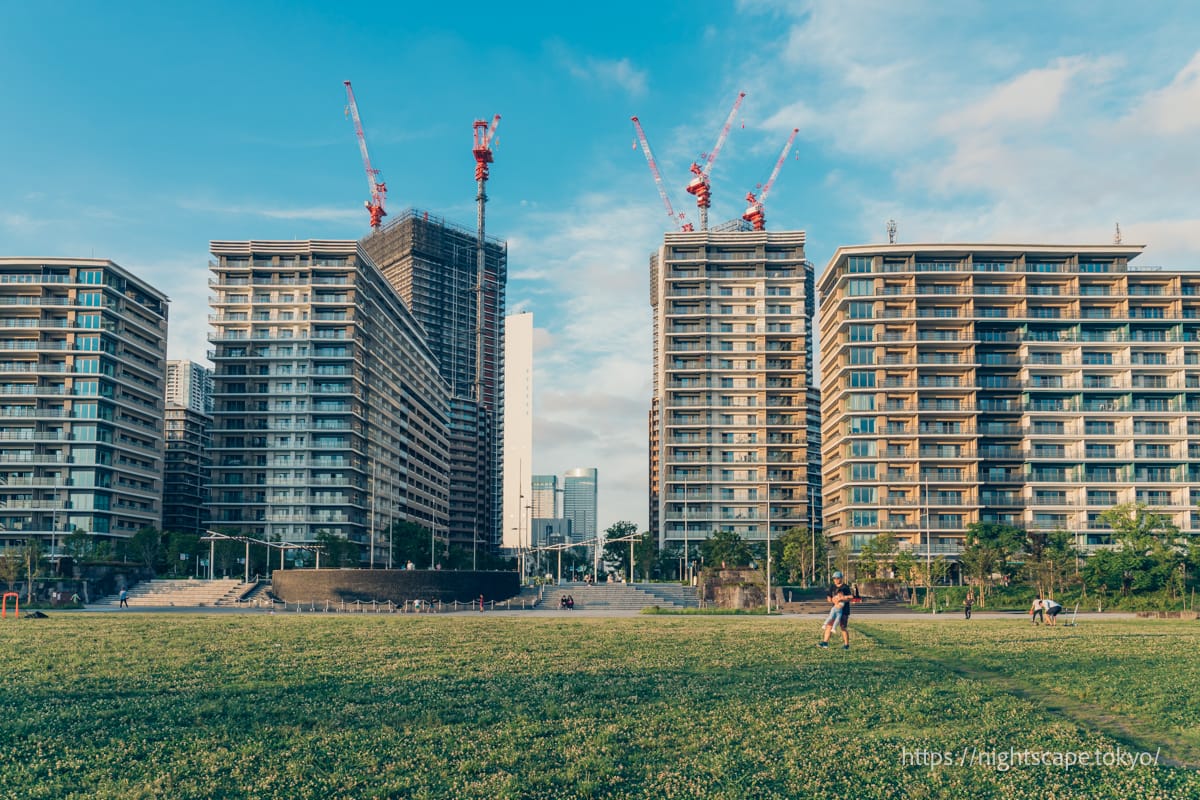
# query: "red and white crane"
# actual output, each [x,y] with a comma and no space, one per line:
[376,186]
[658,181]
[755,214]
[485,136]
[699,185]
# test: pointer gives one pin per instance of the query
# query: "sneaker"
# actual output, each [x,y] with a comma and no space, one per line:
[822,644]
[845,647]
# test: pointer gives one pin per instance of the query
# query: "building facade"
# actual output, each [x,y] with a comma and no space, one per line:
[330,415]
[734,439]
[580,492]
[82,360]
[545,496]
[433,265]
[188,462]
[1036,386]
[189,385]
[518,422]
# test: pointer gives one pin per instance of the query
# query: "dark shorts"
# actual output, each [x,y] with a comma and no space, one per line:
[1053,612]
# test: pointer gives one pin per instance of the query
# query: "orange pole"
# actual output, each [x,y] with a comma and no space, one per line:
[16,604]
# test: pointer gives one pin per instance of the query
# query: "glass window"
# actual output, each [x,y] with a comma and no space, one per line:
[859,263]
[863,472]
[861,310]
[863,448]
[862,355]
[861,287]
[862,379]
[862,333]
[862,425]
[861,402]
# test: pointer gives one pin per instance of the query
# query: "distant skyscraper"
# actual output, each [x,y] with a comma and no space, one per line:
[579,502]
[735,421]
[330,414]
[518,423]
[188,463]
[433,266]
[545,487]
[82,363]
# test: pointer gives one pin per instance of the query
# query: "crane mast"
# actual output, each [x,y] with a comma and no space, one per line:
[658,181]
[699,185]
[375,186]
[482,150]
[755,214]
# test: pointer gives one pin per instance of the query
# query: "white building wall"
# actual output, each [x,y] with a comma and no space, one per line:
[518,427]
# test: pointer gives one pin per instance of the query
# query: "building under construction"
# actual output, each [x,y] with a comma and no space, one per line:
[434,266]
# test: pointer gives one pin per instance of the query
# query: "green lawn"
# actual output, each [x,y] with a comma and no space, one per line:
[485,706]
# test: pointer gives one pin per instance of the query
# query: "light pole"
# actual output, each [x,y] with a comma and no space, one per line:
[812,529]
[768,546]
[929,551]
[687,564]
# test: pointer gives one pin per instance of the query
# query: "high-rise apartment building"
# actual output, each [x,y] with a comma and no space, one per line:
[1031,385]
[82,359]
[734,422]
[189,385]
[580,487]
[433,265]
[188,462]
[330,416]
[518,423]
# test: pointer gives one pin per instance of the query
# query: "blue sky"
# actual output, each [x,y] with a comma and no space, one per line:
[139,131]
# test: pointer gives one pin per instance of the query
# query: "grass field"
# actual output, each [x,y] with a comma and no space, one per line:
[488,706]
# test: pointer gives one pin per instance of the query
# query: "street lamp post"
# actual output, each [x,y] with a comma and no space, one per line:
[687,564]
[768,547]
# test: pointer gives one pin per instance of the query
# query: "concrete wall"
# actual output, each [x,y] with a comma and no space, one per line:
[397,585]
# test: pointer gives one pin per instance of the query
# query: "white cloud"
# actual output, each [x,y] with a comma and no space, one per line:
[309,214]
[1174,109]
[620,72]
[1032,98]
[593,345]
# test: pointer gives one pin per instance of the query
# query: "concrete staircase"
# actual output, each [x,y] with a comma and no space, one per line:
[619,596]
[183,593]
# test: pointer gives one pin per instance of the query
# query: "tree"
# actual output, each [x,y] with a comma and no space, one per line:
[1049,556]
[338,551]
[797,561]
[34,563]
[1151,548]
[645,550]
[876,553]
[79,544]
[147,546]
[989,545]
[930,572]
[11,566]
[411,542]
[181,548]
[725,548]
[904,565]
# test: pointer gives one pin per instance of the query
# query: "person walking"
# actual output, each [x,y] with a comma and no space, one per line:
[124,599]
[839,595]
[968,601]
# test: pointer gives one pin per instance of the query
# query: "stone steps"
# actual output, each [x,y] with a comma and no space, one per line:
[185,593]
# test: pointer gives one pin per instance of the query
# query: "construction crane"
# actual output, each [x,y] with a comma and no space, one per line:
[376,186]
[700,185]
[658,181]
[755,214]
[485,136]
